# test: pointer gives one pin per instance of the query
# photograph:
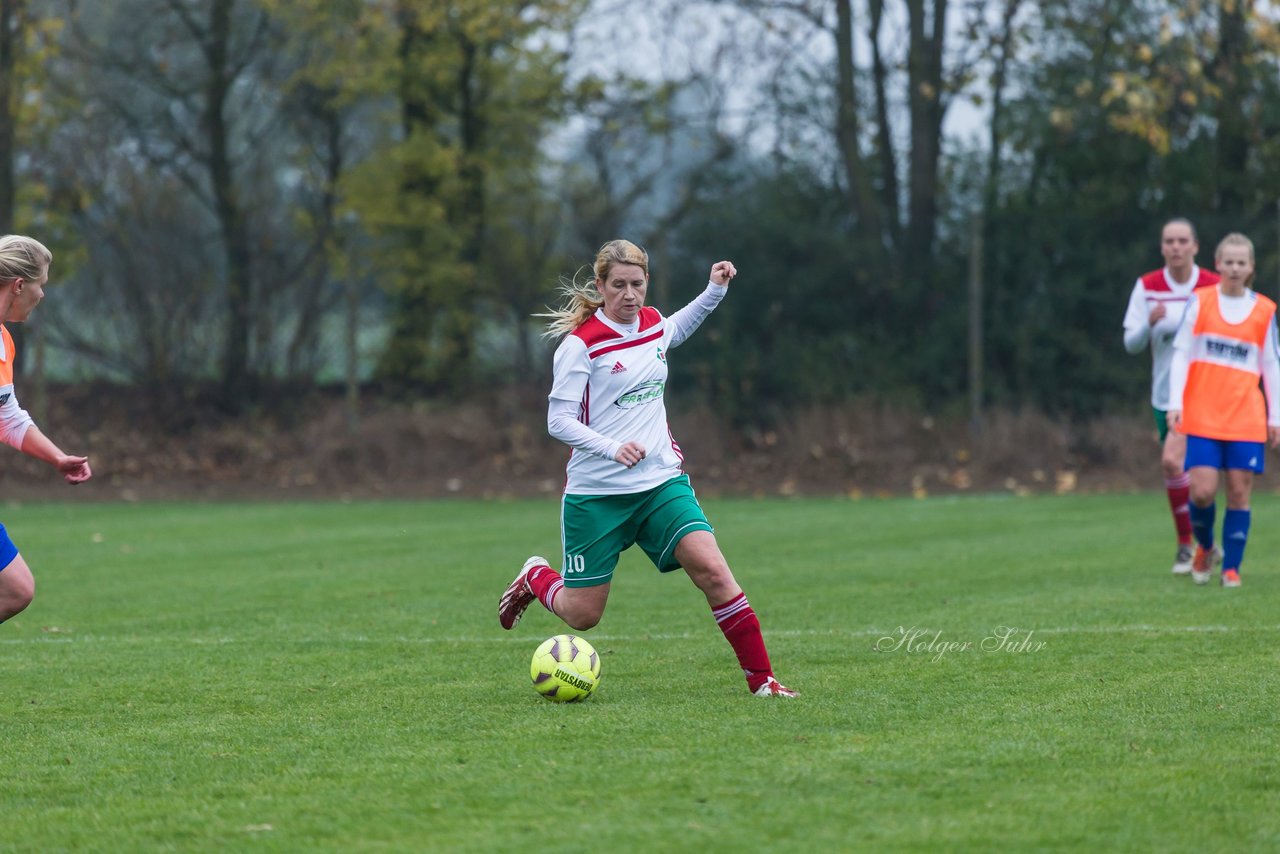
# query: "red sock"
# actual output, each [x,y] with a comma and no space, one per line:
[741,628]
[1179,489]
[545,583]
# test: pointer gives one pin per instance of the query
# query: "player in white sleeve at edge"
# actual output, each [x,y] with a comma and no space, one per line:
[24,271]
[625,478]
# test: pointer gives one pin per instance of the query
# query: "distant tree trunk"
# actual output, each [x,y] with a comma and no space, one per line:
[862,203]
[10,12]
[415,313]
[237,390]
[310,309]
[351,338]
[471,214]
[927,32]
[884,130]
[1230,72]
[999,75]
[976,330]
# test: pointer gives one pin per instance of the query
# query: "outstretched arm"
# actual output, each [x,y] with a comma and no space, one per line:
[17,429]
[74,469]
[685,321]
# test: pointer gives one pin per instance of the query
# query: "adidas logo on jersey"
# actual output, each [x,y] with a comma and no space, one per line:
[618,368]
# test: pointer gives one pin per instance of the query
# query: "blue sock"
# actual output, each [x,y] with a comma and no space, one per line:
[1202,523]
[1235,533]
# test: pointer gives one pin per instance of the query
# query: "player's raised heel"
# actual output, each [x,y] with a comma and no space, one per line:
[519,594]
[774,688]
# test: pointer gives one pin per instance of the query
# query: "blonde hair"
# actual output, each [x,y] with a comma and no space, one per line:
[23,258]
[580,295]
[1235,238]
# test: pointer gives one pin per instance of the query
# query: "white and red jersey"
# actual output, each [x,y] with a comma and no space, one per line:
[617,378]
[1160,288]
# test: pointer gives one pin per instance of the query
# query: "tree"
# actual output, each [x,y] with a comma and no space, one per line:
[473,88]
[174,77]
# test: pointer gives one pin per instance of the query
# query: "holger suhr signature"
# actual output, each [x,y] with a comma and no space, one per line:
[1006,639]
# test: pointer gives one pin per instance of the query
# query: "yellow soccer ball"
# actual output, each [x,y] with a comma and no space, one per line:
[565,669]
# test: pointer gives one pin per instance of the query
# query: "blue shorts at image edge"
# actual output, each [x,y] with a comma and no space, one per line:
[8,551]
[1224,454]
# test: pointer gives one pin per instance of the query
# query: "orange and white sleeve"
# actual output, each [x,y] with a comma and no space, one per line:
[14,420]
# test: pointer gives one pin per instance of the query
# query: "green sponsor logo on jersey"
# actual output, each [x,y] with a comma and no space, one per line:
[641,394]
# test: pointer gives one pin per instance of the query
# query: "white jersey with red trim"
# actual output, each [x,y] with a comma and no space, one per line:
[618,376]
[1159,287]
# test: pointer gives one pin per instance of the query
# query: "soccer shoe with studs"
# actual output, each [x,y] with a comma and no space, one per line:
[1230,578]
[1184,558]
[1204,563]
[519,594]
[774,688]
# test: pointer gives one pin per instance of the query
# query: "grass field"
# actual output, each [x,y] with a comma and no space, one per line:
[332,677]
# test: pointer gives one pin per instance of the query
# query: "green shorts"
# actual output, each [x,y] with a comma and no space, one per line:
[597,529]
[1162,422]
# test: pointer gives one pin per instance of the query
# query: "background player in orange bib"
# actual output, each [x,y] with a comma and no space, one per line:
[24,271]
[1226,343]
[1155,309]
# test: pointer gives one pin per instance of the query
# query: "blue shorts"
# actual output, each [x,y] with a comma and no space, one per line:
[8,551]
[1224,454]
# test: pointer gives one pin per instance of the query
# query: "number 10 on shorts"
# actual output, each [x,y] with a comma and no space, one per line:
[574,563]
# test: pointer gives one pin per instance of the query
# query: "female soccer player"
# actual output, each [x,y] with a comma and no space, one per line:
[1155,309]
[1227,340]
[24,270]
[626,482]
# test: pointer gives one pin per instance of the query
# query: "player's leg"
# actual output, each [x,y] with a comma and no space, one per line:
[1245,458]
[700,555]
[17,585]
[580,607]
[1178,489]
[1205,457]
[595,530]
[675,534]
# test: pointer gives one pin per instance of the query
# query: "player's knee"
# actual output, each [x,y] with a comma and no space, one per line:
[582,620]
[16,597]
[1172,467]
[580,613]
[714,579]
[582,624]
